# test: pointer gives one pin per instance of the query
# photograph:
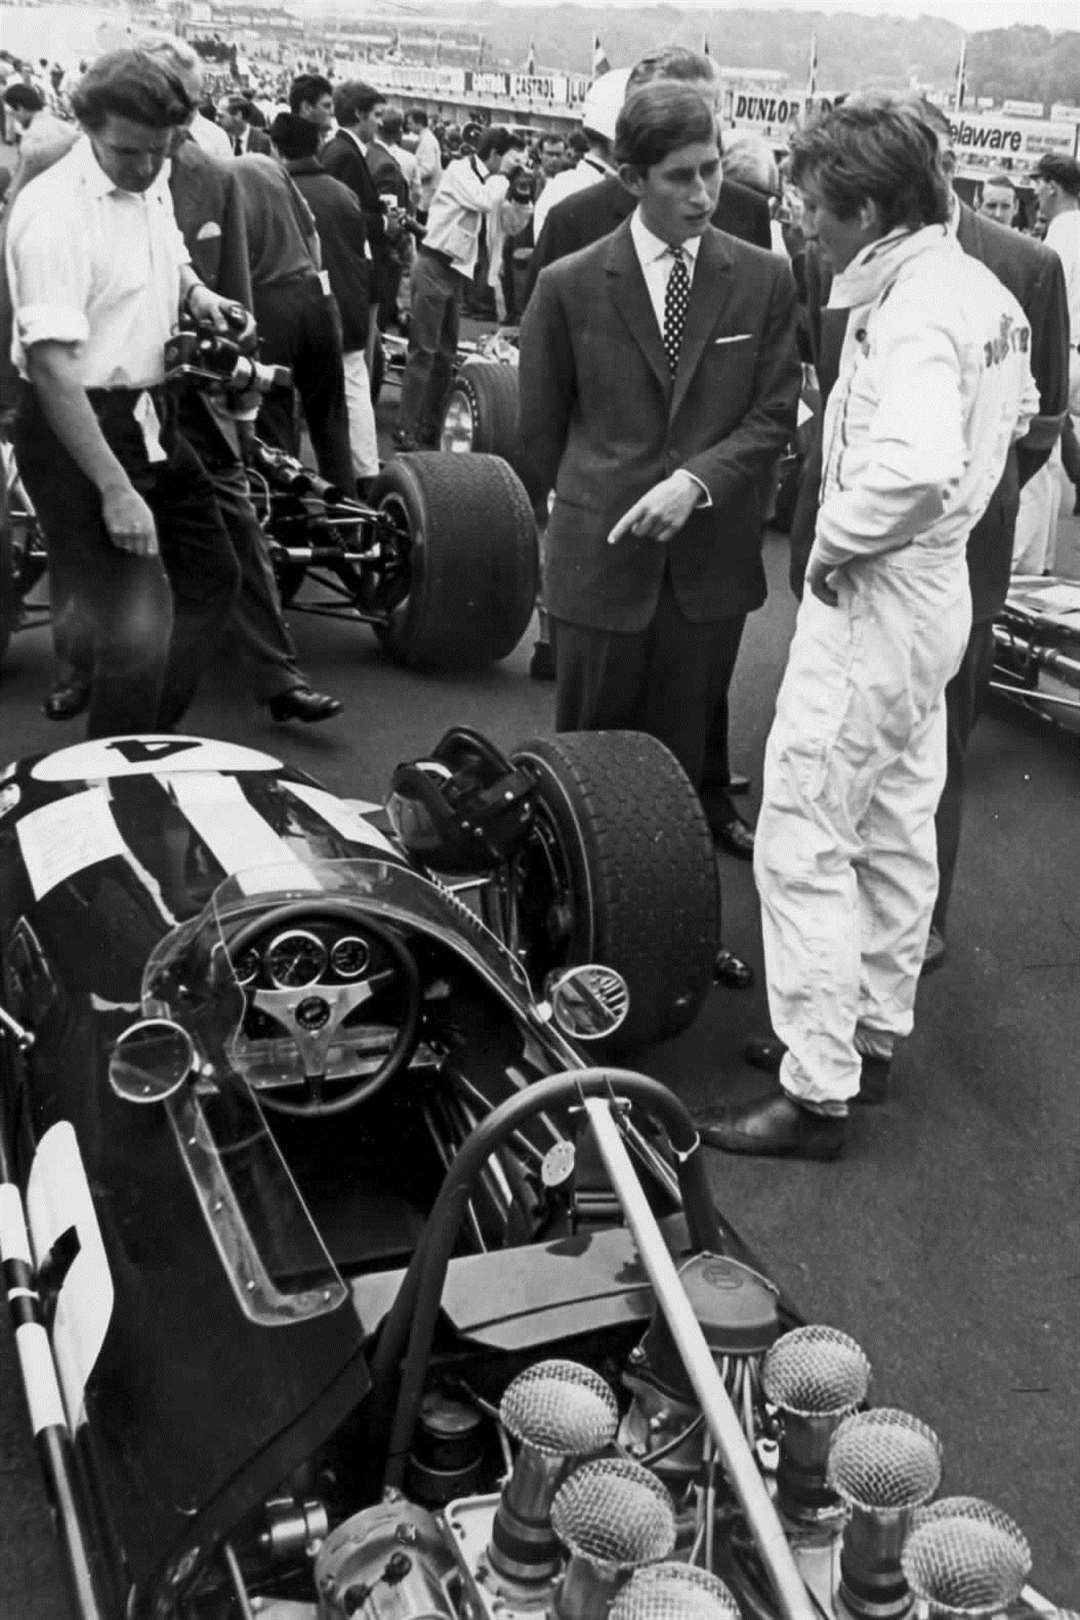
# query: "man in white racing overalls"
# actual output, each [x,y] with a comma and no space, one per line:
[934,384]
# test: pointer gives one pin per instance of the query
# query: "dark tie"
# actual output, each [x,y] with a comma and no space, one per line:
[676,299]
[238,146]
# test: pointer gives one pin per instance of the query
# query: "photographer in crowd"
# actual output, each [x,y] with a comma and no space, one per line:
[98,273]
[472,199]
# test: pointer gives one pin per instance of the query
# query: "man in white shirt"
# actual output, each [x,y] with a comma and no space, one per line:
[428,159]
[469,197]
[98,273]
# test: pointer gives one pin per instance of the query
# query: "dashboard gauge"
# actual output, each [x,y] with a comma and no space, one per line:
[350,956]
[295,958]
[246,966]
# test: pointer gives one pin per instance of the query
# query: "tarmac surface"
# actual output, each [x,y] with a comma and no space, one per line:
[947,1240]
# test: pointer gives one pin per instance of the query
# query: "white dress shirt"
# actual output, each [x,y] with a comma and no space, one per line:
[656,261]
[95,266]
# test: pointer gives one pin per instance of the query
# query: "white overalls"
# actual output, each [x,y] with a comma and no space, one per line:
[934,384]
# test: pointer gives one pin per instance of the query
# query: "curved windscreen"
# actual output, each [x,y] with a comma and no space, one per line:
[263,1230]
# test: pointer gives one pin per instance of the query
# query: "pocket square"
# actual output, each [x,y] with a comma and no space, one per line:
[736,337]
[210,229]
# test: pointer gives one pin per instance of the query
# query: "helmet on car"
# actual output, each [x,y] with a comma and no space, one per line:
[463,808]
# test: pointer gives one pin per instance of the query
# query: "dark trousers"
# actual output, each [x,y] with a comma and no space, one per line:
[433,338]
[664,680]
[262,636]
[299,327]
[964,699]
[150,624]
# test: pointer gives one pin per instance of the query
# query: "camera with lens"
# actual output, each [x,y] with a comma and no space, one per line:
[207,358]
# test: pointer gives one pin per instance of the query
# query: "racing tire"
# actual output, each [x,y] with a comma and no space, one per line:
[480,413]
[617,812]
[468,539]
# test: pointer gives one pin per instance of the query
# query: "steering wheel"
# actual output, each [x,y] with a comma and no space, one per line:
[313,1013]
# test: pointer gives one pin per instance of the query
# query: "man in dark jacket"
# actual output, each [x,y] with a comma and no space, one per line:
[584,218]
[339,221]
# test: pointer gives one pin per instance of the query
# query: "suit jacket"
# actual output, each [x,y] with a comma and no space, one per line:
[340,223]
[256,140]
[588,215]
[210,213]
[1033,274]
[342,158]
[605,421]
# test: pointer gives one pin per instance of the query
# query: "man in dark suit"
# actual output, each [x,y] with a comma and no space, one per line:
[346,156]
[340,224]
[234,116]
[656,395]
[588,215]
[1033,275]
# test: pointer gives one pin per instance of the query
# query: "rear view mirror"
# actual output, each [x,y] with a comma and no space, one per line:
[588,1002]
[151,1060]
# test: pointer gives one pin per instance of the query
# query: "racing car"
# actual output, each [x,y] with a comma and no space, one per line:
[441,562]
[344,1281]
[1037,648]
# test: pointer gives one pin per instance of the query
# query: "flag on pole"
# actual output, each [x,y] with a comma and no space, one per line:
[530,60]
[811,76]
[600,63]
[961,76]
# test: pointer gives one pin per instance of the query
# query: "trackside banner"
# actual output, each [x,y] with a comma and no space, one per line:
[1009,143]
[773,114]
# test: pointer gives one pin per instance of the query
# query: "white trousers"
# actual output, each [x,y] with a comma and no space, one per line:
[362,440]
[845,854]
[1035,539]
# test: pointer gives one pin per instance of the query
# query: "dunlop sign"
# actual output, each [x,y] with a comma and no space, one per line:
[772,114]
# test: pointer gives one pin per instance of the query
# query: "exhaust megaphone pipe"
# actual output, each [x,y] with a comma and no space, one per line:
[674,1592]
[559,1412]
[965,1557]
[612,1516]
[816,1376]
[883,1465]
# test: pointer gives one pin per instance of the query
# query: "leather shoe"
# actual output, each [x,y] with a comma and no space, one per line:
[735,838]
[301,703]
[67,698]
[732,972]
[775,1126]
[767,1052]
[934,955]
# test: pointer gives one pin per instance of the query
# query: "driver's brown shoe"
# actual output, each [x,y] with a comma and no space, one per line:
[775,1126]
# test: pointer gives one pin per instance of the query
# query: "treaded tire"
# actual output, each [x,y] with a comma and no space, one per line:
[489,391]
[644,894]
[471,555]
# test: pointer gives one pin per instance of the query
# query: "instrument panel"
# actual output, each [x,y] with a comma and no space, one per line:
[318,953]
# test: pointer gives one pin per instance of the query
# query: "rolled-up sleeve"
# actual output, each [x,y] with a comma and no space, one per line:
[49,276]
